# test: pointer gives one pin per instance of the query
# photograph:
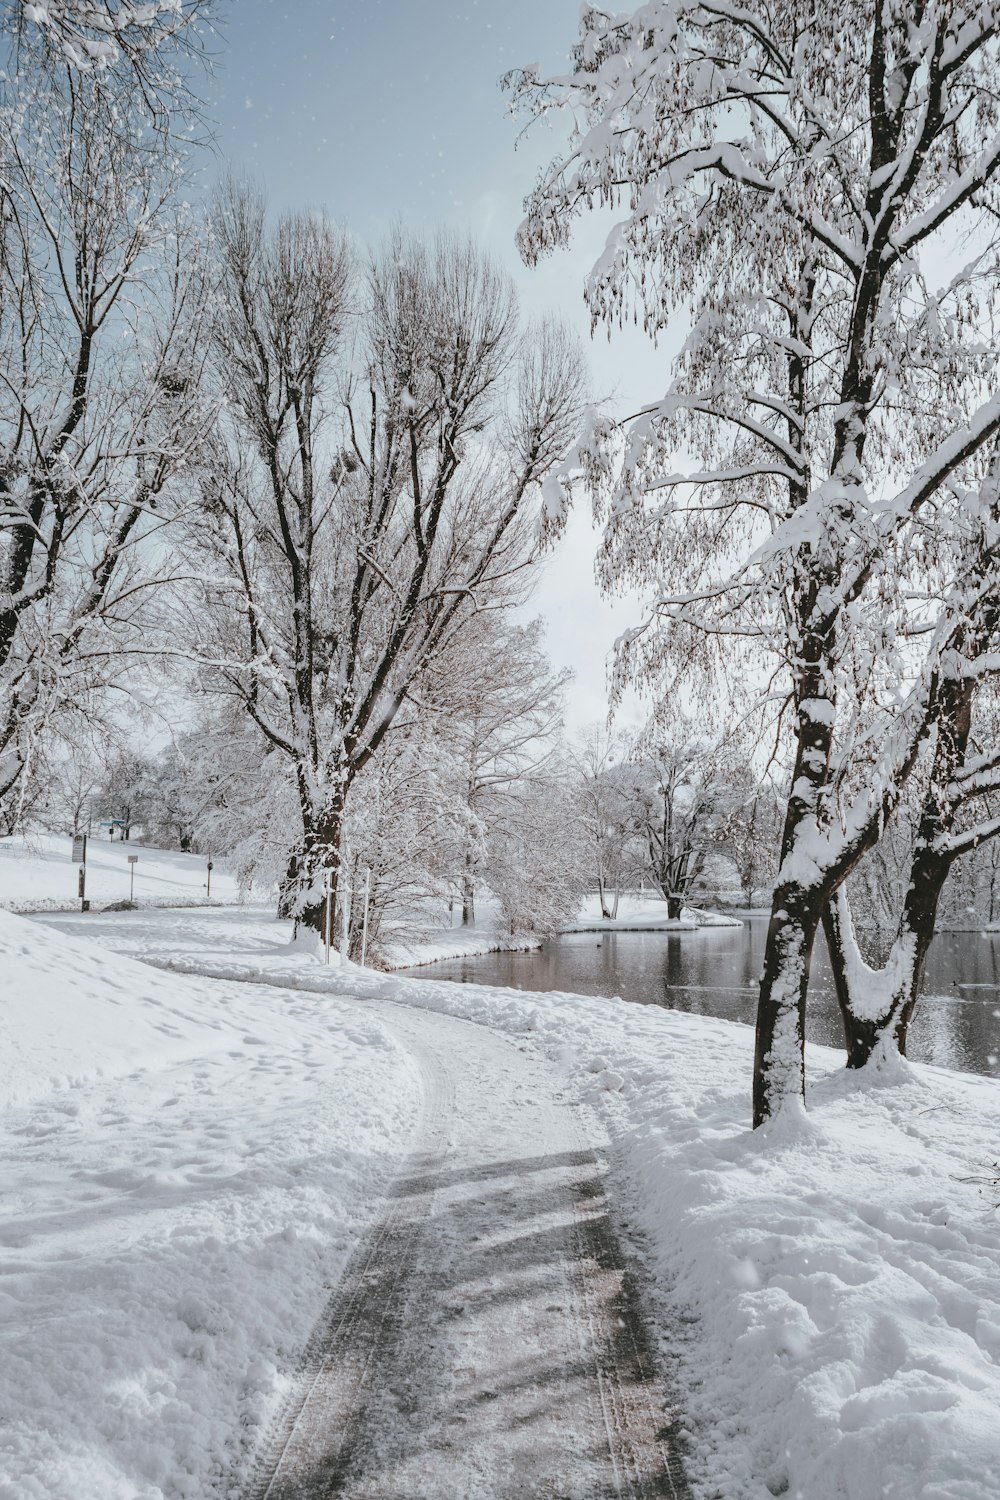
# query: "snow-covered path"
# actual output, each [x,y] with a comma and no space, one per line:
[824,1294]
[485,1339]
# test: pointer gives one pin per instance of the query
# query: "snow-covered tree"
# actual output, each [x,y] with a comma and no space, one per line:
[140,51]
[501,705]
[369,488]
[681,800]
[100,299]
[952,811]
[404,833]
[536,868]
[753,834]
[605,796]
[784,179]
[220,788]
[126,792]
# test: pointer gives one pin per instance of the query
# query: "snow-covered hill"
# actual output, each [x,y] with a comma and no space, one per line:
[37,873]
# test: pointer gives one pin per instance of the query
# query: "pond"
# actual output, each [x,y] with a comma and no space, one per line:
[713,972]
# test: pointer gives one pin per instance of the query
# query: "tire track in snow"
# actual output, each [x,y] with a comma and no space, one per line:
[358,1324]
[485,1339]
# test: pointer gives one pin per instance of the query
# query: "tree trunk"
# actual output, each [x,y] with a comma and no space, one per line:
[890,994]
[779,1057]
[320,852]
[674,904]
[288,889]
[468,893]
[860,1035]
[896,987]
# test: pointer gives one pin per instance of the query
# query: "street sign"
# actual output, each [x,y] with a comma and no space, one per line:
[133,859]
[79,848]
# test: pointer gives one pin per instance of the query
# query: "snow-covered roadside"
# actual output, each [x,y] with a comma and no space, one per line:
[838,1278]
[184,1168]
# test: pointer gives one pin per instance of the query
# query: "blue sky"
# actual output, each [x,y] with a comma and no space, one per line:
[379,110]
[382,108]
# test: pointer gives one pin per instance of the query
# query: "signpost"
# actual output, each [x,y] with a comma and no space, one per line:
[208,883]
[133,860]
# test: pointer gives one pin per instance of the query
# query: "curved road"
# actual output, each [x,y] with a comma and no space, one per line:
[485,1340]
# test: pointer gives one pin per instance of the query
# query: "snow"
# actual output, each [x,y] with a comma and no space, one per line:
[637,912]
[837,1278]
[184,1168]
[453,942]
[645,912]
[827,1291]
[37,873]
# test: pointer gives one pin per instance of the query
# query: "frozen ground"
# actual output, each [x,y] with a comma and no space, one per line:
[37,872]
[827,1293]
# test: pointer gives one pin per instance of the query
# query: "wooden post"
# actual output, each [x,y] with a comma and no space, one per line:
[364,929]
[329,912]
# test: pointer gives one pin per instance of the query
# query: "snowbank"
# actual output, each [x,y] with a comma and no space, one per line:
[184,1169]
[636,913]
[828,1290]
[644,912]
[245,934]
[452,942]
[37,873]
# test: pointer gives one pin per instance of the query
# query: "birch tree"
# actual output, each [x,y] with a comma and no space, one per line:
[783,180]
[371,482]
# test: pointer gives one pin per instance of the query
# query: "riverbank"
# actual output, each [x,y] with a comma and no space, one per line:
[638,913]
[688,921]
[451,942]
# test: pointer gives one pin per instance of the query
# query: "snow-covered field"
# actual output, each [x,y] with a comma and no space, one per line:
[184,1166]
[37,873]
[827,1292]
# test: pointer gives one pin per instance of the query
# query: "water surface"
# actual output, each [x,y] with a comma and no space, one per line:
[713,972]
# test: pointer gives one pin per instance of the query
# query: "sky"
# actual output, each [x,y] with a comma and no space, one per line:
[391,110]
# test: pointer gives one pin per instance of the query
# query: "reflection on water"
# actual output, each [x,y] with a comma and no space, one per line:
[714,973]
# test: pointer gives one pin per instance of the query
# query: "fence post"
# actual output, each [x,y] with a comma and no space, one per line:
[364,929]
[329,912]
